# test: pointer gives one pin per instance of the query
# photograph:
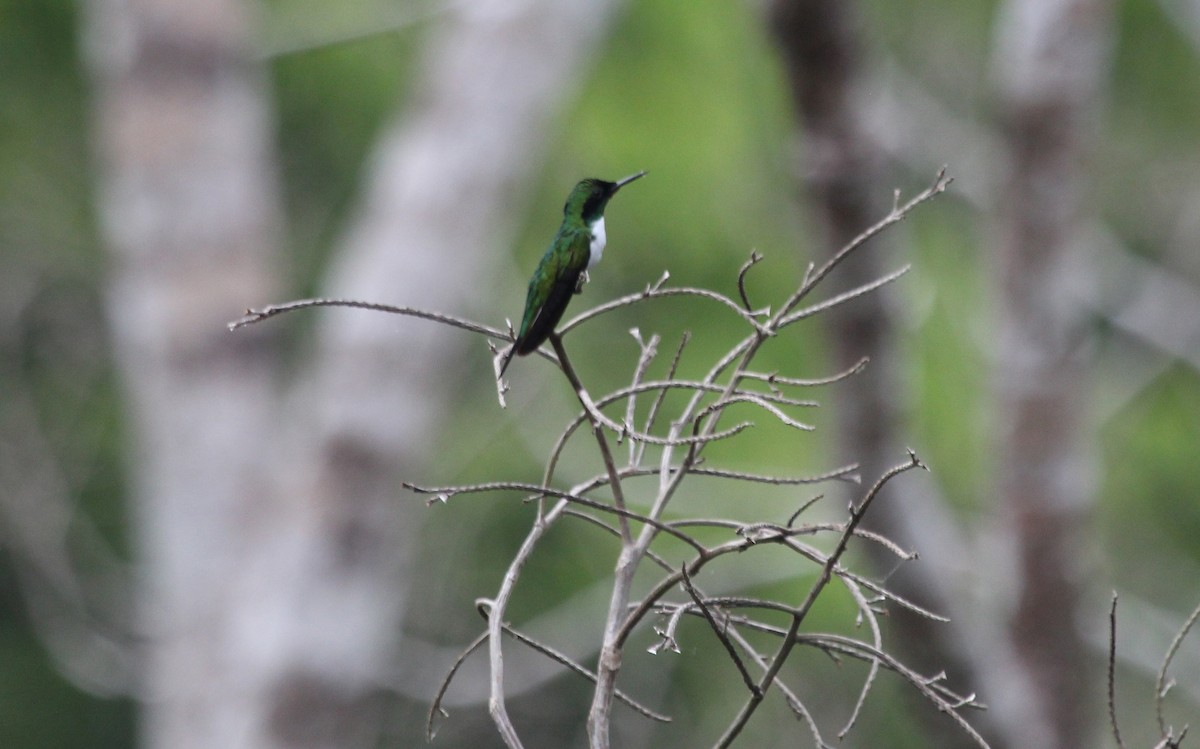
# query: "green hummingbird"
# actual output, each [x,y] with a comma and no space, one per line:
[563,269]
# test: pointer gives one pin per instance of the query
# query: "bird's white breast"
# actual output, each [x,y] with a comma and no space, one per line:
[596,248]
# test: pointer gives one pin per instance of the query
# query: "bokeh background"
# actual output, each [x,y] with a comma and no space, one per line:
[204,541]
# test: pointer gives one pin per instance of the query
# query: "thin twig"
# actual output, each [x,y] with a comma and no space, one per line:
[1161,686]
[774,379]
[718,631]
[762,403]
[662,394]
[698,386]
[657,293]
[741,279]
[565,660]
[593,413]
[857,479]
[1112,668]
[847,473]
[444,493]
[874,587]
[844,297]
[897,214]
[435,708]
[609,464]
[644,438]
[856,515]
[946,701]
[866,612]
[649,349]
[662,563]
[253,316]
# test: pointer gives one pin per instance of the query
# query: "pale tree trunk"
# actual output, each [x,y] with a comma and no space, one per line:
[1051,57]
[190,206]
[272,535]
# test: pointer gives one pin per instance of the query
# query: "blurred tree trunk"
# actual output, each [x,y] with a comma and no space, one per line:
[272,537]
[848,178]
[190,205]
[1050,59]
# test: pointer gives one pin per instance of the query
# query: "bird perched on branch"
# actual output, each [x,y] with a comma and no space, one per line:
[563,269]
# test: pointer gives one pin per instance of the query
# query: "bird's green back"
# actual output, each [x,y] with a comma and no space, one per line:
[553,283]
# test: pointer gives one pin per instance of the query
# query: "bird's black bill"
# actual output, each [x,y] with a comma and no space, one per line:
[625,181]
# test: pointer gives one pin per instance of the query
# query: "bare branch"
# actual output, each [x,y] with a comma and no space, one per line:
[444,493]
[657,293]
[609,464]
[582,671]
[773,379]
[435,708]
[592,413]
[896,215]
[842,298]
[866,612]
[856,515]
[1161,685]
[720,405]
[662,394]
[793,701]
[946,701]
[1112,666]
[253,316]
[870,585]
[728,382]
[847,473]
[718,630]
[649,349]
[741,279]
[856,478]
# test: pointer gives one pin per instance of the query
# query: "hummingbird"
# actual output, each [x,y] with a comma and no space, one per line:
[562,271]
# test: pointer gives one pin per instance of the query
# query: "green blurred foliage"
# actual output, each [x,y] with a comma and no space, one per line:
[696,97]
[55,361]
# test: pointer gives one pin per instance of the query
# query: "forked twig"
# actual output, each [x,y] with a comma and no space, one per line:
[718,630]
[562,658]
[856,516]
[1162,686]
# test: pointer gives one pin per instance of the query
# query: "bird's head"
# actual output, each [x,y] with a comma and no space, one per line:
[590,196]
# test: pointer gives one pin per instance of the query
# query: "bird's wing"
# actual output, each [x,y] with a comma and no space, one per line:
[551,288]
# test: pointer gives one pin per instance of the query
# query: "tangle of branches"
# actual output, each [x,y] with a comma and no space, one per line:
[670,447]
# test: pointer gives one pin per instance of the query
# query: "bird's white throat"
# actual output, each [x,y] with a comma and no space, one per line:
[596,248]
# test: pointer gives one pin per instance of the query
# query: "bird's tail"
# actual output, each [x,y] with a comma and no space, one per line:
[508,357]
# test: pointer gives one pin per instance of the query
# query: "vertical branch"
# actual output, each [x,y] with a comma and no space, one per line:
[649,349]
[652,414]
[1112,671]
[589,407]
[495,629]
